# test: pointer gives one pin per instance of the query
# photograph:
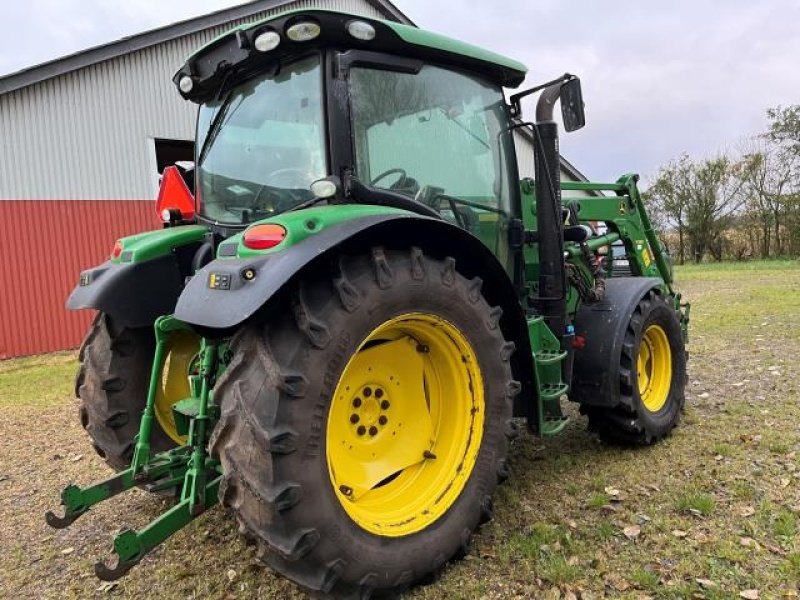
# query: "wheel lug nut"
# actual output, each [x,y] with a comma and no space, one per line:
[346,490]
[385,404]
[379,393]
[383,420]
[354,418]
[367,392]
[357,402]
[423,349]
[361,430]
[373,431]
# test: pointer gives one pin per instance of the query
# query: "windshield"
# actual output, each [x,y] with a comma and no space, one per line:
[261,147]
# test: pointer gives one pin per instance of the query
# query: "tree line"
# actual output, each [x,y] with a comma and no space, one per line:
[734,206]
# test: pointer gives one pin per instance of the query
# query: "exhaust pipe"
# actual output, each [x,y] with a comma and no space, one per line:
[552,277]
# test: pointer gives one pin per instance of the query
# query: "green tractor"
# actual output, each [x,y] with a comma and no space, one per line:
[355,302]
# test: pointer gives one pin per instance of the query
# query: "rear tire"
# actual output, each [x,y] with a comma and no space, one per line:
[645,414]
[111,385]
[281,388]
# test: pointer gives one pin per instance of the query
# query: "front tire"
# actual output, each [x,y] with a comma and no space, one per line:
[652,378]
[394,340]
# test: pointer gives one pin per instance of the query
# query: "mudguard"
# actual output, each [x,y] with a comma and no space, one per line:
[135,294]
[595,375]
[145,280]
[228,291]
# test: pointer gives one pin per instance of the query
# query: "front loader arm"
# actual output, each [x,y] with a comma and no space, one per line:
[627,220]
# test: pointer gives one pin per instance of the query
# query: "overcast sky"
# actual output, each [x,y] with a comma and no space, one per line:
[659,78]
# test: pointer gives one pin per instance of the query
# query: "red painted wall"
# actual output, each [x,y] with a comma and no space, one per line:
[44,245]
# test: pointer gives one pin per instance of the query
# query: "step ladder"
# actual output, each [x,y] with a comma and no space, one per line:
[548,359]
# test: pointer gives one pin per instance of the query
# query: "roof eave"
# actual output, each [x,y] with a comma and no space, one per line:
[97,54]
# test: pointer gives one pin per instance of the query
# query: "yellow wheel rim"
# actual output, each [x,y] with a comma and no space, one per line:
[179,363]
[654,368]
[405,425]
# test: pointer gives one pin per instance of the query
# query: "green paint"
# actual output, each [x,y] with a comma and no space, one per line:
[422,39]
[188,466]
[194,486]
[76,500]
[152,244]
[302,224]
[548,359]
[164,327]
[627,220]
[131,546]
[428,39]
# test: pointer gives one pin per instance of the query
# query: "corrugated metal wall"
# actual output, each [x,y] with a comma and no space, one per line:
[87,135]
[77,171]
[43,248]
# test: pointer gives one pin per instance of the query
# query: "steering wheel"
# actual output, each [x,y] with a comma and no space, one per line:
[302,175]
[277,194]
[385,174]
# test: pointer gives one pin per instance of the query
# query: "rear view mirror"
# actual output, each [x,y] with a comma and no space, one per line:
[572,105]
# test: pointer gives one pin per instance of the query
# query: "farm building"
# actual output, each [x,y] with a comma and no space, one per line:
[83,140]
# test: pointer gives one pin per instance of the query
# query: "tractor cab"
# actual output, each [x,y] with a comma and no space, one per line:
[320,107]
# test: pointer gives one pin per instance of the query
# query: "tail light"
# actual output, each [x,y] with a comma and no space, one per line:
[117,250]
[263,237]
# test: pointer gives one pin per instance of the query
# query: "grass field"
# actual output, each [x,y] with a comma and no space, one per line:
[712,512]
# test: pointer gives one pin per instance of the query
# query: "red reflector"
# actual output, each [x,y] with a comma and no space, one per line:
[115,253]
[261,237]
[579,343]
[173,194]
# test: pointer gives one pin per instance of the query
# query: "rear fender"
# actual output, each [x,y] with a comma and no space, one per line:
[144,281]
[229,291]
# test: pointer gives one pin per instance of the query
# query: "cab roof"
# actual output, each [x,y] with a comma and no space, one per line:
[234,53]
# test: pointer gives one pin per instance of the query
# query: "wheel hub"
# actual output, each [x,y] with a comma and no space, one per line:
[370,410]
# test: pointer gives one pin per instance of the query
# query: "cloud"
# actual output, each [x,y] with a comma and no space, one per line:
[659,78]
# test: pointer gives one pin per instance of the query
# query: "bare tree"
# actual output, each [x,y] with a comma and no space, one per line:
[700,199]
[784,133]
[767,178]
[717,197]
[670,195]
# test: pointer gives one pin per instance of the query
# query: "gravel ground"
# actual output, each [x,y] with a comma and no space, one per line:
[712,512]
